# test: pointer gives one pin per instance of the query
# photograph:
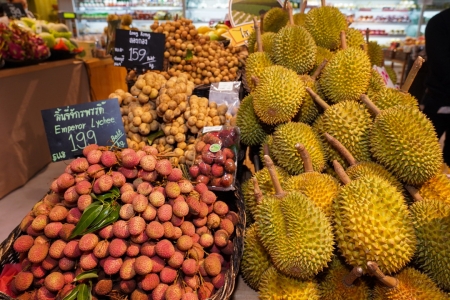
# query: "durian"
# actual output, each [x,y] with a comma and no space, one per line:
[389,97]
[376,83]
[411,285]
[278,95]
[255,260]
[392,74]
[354,38]
[251,42]
[275,19]
[438,187]
[286,155]
[267,39]
[321,55]
[252,132]
[300,17]
[372,223]
[325,25]
[375,53]
[405,142]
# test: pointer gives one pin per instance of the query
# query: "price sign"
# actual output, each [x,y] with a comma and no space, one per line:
[13,10]
[139,50]
[71,128]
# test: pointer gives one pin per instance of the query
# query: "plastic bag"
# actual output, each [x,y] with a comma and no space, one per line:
[226,92]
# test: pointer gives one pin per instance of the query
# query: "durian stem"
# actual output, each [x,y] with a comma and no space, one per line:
[412,74]
[258,34]
[255,80]
[388,281]
[303,6]
[285,4]
[354,274]
[261,22]
[414,193]
[341,172]
[266,149]
[322,2]
[257,191]
[341,149]
[307,162]
[273,175]
[370,105]
[319,69]
[343,40]
[317,99]
[290,12]
[367,35]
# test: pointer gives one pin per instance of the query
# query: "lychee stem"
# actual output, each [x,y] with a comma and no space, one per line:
[273,175]
[341,172]
[307,162]
[258,34]
[414,193]
[303,6]
[291,16]
[388,281]
[343,40]
[354,274]
[370,105]
[257,191]
[317,99]
[412,74]
[319,69]
[341,149]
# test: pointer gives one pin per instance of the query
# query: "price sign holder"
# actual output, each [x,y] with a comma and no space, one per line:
[71,128]
[13,10]
[139,50]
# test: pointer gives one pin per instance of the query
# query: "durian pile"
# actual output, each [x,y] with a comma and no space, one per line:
[351,202]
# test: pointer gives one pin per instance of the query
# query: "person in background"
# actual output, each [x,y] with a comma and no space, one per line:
[25,7]
[437,98]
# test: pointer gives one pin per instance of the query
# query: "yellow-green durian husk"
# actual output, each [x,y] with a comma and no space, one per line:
[295,49]
[333,287]
[375,53]
[308,111]
[412,284]
[252,132]
[268,39]
[265,185]
[325,25]
[405,142]
[350,123]
[319,188]
[346,76]
[286,155]
[296,234]
[321,55]
[376,83]
[251,42]
[269,141]
[392,74]
[372,223]
[438,187]
[432,223]
[255,259]
[389,97]
[255,65]
[275,19]
[278,96]
[276,286]
[354,38]
[299,19]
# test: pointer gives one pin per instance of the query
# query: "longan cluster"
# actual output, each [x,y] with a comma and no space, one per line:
[147,87]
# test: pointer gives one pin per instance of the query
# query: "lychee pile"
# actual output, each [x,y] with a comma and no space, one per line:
[171,239]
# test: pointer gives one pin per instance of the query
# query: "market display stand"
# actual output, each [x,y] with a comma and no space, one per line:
[24,93]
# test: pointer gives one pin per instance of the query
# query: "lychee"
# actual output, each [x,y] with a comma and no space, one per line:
[164,213]
[189,296]
[65,181]
[176,175]
[163,167]
[42,239]
[23,243]
[58,213]
[173,292]
[192,281]
[199,222]
[66,231]
[120,229]
[165,249]
[220,208]
[221,238]
[205,291]
[140,238]
[148,249]
[112,265]
[137,182]
[158,264]
[206,240]
[208,197]
[148,176]
[49,263]
[149,214]
[187,228]
[168,275]
[66,264]
[136,225]
[172,189]
[94,156]
[133,250]
[23,281]
[44,294]
[157,198]
[227,225]
[101,250]
[38,271]
[118,179]
[41,208]
[88,242]
[83,202]
[148,163]
[176,221]
[128,173]
[89,148]
[190,267]
[68,277]
[149,282]
[127,269]
[73,216]
[72,250]
[213,221]
[169,230]
[219,280]
[159,293]
[79,165]
[130,160]
[117,247]
[127,286]
[185,186]
[83,187]
[70,195]
[32,232]
[127,196]
[103,287]
[126,187]
[37,253]
[108,159]
[105,183]
[143,265]
[56,249]
[144,188]
[138,294]
[154,230]
[176,260]
[126,211]
[140,203]
[203,210]
[106,232]
[54,281]
[228,249]
[177,233]
[212,265]
[184,243]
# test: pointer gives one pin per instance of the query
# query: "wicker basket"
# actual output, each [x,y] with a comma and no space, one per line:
[235,203]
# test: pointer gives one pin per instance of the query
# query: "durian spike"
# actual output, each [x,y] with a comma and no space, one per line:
[341,149]
[317,99]
[257,191]
[266,149]
[258,34]
[343,40]
[290,12]
[303,6]
[273,175]
[412,74]
[388,281]
[255,80]
[341,172]
[354,274]
[370,105]
[319,69]
[307,162]
[414,193]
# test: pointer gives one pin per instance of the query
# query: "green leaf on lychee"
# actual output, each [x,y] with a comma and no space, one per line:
[87,275]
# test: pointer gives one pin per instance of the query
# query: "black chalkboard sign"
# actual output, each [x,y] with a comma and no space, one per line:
[71,128]
[13,10]
[139,50]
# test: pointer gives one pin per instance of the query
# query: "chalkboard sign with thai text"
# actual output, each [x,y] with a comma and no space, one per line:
[71,128]
[13,10]
[139,50]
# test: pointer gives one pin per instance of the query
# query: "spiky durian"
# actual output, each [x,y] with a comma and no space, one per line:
[269,142]
[299,19]
[286,155]
[275,19]
[276,286]
[255,260]
[405,142]
[437,188]
[321,55]
[376,83]
[295,49]
[251,42]
[268,39]
[256,63]
[411,285]
[333,287]
[278,96]
[346,76]
[375,53]
[389,97]
[308,111]
[252,132]
[354,38]
[372,223]
[432,221]
[325,25]
[392,74]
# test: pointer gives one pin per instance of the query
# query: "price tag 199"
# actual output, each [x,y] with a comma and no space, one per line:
[139,50]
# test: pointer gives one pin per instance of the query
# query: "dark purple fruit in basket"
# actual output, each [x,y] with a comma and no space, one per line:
[211,138]
[220,158]
[227,180]
[205,169]
[217,170]
[208,157]
[230,166]
[217,181]
[194,171]
[202,179]
[205,148]
[228,153]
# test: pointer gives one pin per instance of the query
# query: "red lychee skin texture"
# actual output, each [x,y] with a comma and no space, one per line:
[163,167]
[176,260]
[144,188]
[83,187]
[89,148]
[121,230]
[56,250]
[164,213]
[188,228]
[74,215]
[227,225]
[185,186]
[149,282]
[45,294]
[105,183]
[108,159]
[190,267]
[148,176]
[128,173]
[66,264]
[148,163]
[148,249]
[168,275]
[127,269]
[172,190]
[149,214]
[117,247]
[72,250]
[106,232]
[95,171]
[203,210]
[165,249]
[79,165]
[126,212]
[88,242]
[140,203]
[127,197]
[38,271]
[94,157]
[70,195]
[37,253]
[88,261]
[176,175]
[177,221]
[194,171]
[49,263]
[150,150]
[23,243]
[208,197]
[136,225]
[143,265]
[140,238]
[101,250]
[220,208]
[130,160]
[157,198]
[23,281]
[112,265]
[127,286]
[84,201]
[126,187]
[158,264]
[118,179]
[65,181]
[159,292]
[154,230]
